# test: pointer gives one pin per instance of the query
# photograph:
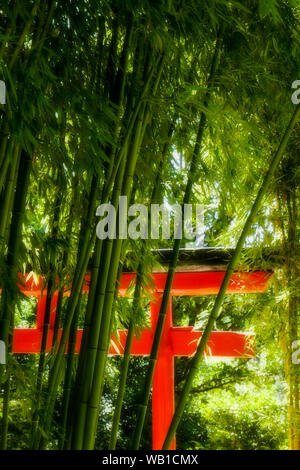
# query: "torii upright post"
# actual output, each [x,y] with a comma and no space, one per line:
[176,341]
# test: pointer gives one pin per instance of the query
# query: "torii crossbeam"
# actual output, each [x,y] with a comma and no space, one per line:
[176,341]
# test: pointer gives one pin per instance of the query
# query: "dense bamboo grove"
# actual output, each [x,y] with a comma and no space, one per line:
[166,101]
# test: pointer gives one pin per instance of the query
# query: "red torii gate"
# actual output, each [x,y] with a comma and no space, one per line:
[176,341]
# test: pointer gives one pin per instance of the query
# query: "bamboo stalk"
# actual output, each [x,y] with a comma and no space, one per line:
[142,408]
[6,396]
[68,379]
[136,302]
[3,146]
[98,377]
[8,300]
[23,35]
[82,261]
[46,27]
[292,323]
[42,357]
[15,238]
[4,170]
[47,313]
[96,295]
[103,342]
[125,365]
[78,392]
[65,259]
[9,195]
[5,407]
[122,153]
[93,332]
[118,99]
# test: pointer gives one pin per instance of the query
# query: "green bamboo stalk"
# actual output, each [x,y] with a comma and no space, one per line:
[85,235]
[15,236]
[68,379]
[5,409]
[130,333]
[96,388]
[47,313]
[78,391]
[117,94]
[80,270]
[46,28]
[70,359]
[42,358]
[97,289]
[65,259]
[230,269]
[118,99]
[3,146]
[22,38]
[103,342]
[3,172]
[132,121]
[9,195]
[125,365]
[6,396]
[173,262]
[58,311]
[96,78]
[56,373]
[10,209]
[292,274]
[93,332]
[3,157]
[90,304]
[112,57]
[40,24]
[8,300]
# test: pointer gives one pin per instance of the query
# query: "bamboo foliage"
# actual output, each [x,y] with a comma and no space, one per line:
[155,101]
[173,262]
[233,262]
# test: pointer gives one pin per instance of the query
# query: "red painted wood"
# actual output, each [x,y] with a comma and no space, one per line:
[184,342]
[163,380]
[176,341]
[203,283]
[220,344]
